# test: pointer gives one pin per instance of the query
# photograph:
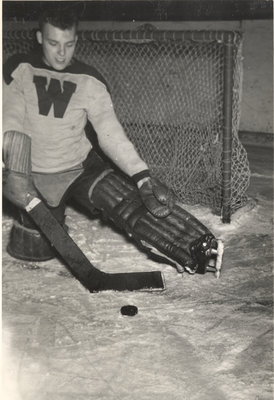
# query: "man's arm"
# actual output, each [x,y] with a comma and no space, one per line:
[14,107]
[116,145]
[17,183]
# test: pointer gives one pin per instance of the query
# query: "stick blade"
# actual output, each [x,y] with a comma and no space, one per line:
[133,281]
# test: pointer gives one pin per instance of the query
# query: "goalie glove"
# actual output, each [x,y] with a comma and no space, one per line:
[17,180]
[157,198]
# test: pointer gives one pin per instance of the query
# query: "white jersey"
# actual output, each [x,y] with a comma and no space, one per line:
[53,107]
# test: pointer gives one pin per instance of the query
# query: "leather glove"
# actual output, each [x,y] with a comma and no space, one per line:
[17,179]
[18,188]
[157,198]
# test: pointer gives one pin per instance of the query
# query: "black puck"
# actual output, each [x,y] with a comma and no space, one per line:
[129,310]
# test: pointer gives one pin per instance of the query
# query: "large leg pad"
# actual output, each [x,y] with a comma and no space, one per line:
[29,244]
[179,238]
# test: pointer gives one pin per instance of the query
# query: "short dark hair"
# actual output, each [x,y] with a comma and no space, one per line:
[60,17]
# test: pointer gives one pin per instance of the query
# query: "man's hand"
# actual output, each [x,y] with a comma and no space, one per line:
[157,198]
[17,180]
[18,188]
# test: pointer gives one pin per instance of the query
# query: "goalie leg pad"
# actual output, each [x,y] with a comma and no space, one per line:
[179,238]
[26,242]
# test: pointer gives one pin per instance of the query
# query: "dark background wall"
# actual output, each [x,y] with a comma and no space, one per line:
[144,10]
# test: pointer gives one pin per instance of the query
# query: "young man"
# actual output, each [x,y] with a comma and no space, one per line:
[48,98]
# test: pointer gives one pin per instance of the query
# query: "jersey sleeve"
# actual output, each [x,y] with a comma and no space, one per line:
[111,135]
[13,100]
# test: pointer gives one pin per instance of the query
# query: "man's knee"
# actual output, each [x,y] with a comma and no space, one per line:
[95,169]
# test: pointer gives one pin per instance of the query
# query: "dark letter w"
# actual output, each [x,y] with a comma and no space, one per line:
[53,95]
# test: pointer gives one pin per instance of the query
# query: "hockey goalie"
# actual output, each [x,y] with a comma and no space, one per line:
[48,98]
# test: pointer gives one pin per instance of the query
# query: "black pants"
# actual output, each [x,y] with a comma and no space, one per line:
[94,166]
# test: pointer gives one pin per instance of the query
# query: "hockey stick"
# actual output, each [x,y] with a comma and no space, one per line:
[90,277]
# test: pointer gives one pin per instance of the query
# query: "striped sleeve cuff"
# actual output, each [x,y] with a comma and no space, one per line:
[17,152]
[141,175]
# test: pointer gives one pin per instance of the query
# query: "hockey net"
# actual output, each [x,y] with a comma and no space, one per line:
[168,91]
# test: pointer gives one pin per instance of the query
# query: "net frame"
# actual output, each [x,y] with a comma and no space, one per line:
[229,40]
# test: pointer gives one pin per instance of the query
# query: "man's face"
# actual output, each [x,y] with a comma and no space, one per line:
[58,45]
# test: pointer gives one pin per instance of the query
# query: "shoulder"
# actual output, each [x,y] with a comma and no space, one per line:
[78,67]
[15,61]
[11,65]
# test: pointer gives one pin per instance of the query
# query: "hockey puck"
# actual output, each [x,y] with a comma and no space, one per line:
[129,310]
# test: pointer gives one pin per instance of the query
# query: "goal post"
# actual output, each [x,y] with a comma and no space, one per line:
[177,95]
[227,128]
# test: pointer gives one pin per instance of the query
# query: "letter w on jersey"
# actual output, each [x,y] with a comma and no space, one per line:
[54,95]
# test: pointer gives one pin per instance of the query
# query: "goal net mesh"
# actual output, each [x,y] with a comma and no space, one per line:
[169,95]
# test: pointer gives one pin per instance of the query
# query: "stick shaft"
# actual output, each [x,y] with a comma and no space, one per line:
[79,265]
